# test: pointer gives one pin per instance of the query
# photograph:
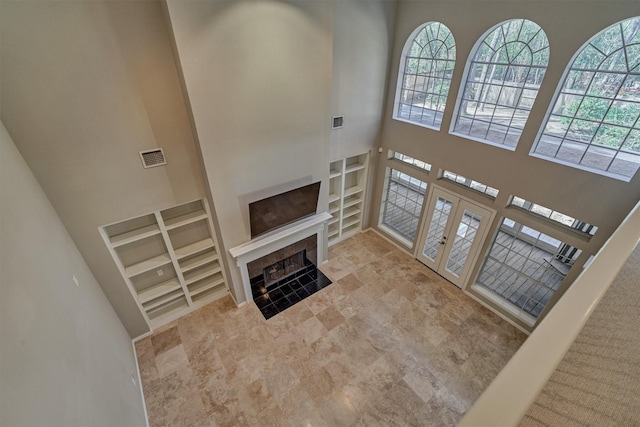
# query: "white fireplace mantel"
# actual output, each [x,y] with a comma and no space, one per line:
[264,245]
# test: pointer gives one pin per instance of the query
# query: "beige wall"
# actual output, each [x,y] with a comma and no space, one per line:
[85,86]
[593,198]
[67,360]
[259,79]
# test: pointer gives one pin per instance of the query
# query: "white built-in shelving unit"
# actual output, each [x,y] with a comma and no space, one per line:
[169,260]
[347,189]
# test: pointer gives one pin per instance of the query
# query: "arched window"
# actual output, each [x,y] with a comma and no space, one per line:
[593,123]
[502,82]
[425,75]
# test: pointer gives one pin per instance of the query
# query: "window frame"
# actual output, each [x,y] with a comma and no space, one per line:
[463,86]
[552,104]
[401,74]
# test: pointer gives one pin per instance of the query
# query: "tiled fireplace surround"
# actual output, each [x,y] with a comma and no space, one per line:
[305,235]
[309,244]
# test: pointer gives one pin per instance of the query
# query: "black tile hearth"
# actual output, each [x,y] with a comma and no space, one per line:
[288,291]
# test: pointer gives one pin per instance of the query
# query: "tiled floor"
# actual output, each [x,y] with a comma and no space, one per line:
[388,343]
[285,293]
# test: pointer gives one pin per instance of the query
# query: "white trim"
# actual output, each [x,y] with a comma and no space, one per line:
[139,379]
[264,245]
[509,396]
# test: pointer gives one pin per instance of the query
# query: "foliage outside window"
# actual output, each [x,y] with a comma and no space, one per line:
[428,65]
[502,82]
[594,120]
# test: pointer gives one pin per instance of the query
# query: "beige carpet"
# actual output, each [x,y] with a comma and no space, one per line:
[598,381]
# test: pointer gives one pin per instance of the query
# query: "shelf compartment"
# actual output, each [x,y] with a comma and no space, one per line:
[351,211]
[162,300]
[210,294]
[132,230]
[334,220]
[352,229]
[334,173]
[352,190]
[205,284]
[147,265]
[135,235]
[348,224]
[158,290]
[354,167]
[168,312]
[351,201]
[194,247]
[198,260]
[333,197]
[185,219]
[335,208]
[202,272]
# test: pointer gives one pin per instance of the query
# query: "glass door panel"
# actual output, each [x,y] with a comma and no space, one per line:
[456,229]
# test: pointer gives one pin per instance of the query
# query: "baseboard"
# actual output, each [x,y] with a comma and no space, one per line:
[141,337]
[385,237]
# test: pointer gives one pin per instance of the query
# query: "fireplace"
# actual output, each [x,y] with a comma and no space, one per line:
[290,282]
[284,268]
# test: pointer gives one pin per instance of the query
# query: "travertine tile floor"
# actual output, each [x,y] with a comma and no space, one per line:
[388,343]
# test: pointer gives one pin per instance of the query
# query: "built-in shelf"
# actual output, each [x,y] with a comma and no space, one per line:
[348,212]
[195,247]
[354,167]
[206,284]
[202,272]
[346,195]
[198,260]
[167,257]
[159,290]
[185,219]
[163,300]
[352,190]
[147,265]
[134,235]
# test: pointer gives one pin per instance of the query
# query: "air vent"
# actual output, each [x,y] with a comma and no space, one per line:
[338,122]
[152,158]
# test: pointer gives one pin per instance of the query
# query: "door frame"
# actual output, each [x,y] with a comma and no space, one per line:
[474,253]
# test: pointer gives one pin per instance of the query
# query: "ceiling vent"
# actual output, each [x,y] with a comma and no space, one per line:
[338,122]
[152,158]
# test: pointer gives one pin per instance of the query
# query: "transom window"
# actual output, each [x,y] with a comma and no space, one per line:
[425,75]
[410,160]
[593,123]
[502,82]
[555,216]
[470,183]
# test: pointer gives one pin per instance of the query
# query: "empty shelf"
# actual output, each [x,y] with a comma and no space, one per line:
[352,190]
[194,247]
[198,261]
[354,167]
[135,235]
[146,265]
[185,219]
[158,290]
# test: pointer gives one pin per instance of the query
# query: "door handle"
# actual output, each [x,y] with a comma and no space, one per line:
[444,240]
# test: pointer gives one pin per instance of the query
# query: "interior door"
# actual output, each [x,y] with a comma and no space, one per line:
[452,235]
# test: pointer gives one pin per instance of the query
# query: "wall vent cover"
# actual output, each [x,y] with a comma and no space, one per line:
[338,122]
[152,158]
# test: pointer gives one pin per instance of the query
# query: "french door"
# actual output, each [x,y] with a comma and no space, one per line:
[452,234]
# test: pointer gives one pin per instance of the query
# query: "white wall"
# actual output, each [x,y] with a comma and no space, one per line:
[85,86]
[66,358]
[258,76]
[362,41]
